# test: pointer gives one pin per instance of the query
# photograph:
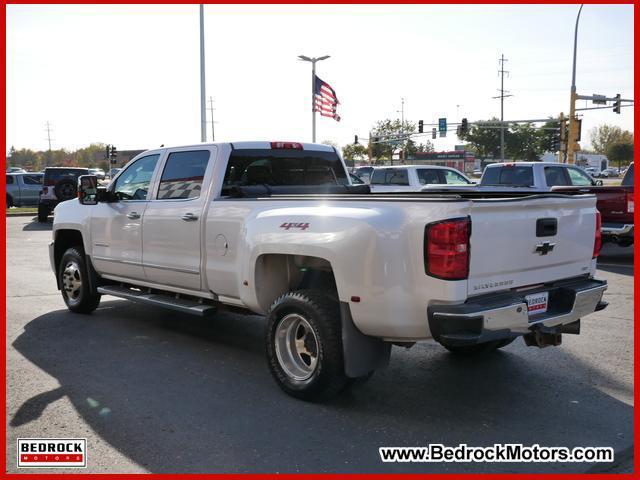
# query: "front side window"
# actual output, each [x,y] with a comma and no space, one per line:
[428,176]
[554,176]
[578,177]
[390,176]
[134,182]
[454,178]
[183,175]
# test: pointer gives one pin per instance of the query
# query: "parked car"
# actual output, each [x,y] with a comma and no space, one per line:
[616,205]
[60,184]
[277,229]
[16,170]
[98,172]
[23,189]
[363,173]
[610,173]
[413,178]
[535,175]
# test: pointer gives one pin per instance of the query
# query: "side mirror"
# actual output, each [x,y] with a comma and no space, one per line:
[599,183]
[88,189]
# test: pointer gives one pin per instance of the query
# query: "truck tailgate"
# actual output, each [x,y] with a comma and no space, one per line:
[512,242]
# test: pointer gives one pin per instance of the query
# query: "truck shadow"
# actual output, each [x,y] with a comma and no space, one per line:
[178,394]
[35,225]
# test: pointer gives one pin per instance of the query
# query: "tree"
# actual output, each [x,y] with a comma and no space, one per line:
[387,129]
[331,143]
[484,138]
[354,152]
[605,135]
[524,143]
[620,152]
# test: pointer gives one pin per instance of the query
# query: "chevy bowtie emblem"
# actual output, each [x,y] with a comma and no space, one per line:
[544,248]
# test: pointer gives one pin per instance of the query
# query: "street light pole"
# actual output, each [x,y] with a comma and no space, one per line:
[203,102]
[313,61]
[571,140]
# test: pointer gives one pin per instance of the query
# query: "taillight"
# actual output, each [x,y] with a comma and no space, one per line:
[286,145]
[447,249]
[597,244]
[49,182]
[630,202]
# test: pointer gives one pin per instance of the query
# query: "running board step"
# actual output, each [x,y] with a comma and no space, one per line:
[159,299]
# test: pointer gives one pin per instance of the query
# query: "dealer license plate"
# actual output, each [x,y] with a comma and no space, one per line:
[537,303]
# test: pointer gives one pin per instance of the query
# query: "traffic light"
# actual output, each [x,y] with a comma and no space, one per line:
[459,130]
[464,127]
[616,104]
[107,152]
[420,126]
[114,152]
[355,139]
[554,140]
[578,129]
[434,133]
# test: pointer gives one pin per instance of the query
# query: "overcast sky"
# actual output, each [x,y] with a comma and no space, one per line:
[129,75]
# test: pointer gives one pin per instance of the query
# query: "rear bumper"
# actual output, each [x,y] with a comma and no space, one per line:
[614,231]
[505,315]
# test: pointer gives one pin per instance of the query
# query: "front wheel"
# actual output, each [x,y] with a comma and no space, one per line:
[77,293]
[304,345]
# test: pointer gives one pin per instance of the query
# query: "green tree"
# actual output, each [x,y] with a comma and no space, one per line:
[484,138]
[604,135]
[386,135]
[353,152]
[620,152]
[524,143]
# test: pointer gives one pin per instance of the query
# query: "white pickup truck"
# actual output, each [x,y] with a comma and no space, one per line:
[277,229]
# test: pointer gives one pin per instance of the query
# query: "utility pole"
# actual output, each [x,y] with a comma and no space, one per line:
[203,102]
[571,141]
[401,112]
[213,133]
[502,96]
[49,140]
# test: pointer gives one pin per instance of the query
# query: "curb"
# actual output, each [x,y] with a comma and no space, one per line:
[20,214]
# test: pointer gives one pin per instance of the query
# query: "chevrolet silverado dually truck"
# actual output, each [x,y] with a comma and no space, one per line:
[277,229]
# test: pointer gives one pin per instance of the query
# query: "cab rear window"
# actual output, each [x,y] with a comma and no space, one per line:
[283,168]
[390,176]
[521,176]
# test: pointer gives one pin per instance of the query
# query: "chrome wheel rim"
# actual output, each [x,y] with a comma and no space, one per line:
[296,347]
[72,282]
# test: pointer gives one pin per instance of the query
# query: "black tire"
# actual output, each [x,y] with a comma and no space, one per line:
[43,214]
[66,190]
[74,280]
[9,201]
[325,376]
[480,348]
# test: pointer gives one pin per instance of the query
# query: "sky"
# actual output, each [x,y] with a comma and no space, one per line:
[129,75]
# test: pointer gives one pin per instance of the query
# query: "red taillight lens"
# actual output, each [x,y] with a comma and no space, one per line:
[286,145]
[447,249]
[630,202]
[597,244]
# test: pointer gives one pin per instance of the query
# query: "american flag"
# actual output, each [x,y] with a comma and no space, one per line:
[325,100]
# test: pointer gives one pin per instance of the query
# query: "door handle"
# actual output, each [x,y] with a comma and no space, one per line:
[189,217]
[133,215]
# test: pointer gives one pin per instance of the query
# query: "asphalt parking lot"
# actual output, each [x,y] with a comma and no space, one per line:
[156,391]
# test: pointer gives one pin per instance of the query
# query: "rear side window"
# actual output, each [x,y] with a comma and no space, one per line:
[283,168]
[428,176]
[32,179]
[555,176]
[183,175]
[390,176]
[627,181]
[9,180]
[520,176]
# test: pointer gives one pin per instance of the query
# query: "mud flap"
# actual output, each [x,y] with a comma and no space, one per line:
[362,353]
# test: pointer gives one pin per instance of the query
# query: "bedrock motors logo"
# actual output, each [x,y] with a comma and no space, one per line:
[52,452]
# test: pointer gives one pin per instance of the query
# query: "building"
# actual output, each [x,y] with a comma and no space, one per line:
[459,159]
[584,160]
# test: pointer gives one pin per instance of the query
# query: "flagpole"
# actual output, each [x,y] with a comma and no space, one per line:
[313,90]
[313,106]
[203,102]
